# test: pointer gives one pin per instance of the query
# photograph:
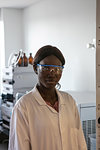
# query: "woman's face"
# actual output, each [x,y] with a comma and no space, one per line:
[49,76]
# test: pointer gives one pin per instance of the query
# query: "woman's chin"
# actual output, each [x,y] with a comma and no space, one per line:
[50,84]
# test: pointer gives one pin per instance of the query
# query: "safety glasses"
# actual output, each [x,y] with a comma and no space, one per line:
[50,68]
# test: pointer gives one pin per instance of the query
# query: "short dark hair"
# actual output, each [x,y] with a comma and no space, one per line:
[47,51]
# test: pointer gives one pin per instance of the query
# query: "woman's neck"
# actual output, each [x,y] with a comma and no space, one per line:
[48,95]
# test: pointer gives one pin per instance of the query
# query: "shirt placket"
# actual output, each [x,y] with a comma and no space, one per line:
[62,128]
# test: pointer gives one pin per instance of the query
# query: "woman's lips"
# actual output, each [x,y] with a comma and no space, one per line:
[51,81]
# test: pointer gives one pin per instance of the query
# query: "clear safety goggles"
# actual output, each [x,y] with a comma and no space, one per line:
[50,68]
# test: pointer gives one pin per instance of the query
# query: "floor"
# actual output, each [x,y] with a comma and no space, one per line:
[3,141]
[3,146]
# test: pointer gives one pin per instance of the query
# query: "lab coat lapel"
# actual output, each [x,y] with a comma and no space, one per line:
[40,100]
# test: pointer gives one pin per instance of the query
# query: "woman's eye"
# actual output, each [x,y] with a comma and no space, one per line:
[49,68]
[45,68]
[58,69]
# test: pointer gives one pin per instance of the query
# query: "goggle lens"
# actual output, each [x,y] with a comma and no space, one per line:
[46,68]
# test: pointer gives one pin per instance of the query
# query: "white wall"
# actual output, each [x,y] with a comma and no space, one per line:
[12,19]
[69,25]
[2,50]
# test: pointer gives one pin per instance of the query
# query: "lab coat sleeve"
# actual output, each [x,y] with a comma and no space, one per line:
[19,131]
[80,136]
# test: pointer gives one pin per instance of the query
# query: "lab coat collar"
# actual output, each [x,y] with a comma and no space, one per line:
[40,100]
[60,98]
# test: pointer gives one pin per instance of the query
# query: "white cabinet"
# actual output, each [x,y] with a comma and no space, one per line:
[15,80]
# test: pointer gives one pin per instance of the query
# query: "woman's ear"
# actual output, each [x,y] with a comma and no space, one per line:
[35,68]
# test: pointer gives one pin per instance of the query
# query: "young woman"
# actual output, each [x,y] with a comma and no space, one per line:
[46,118]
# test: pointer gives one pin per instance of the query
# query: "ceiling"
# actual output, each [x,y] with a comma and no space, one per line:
[16,3]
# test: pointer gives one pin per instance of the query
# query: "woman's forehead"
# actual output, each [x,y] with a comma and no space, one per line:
[51,60]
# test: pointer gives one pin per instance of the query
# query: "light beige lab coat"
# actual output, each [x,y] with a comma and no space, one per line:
[37,126]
